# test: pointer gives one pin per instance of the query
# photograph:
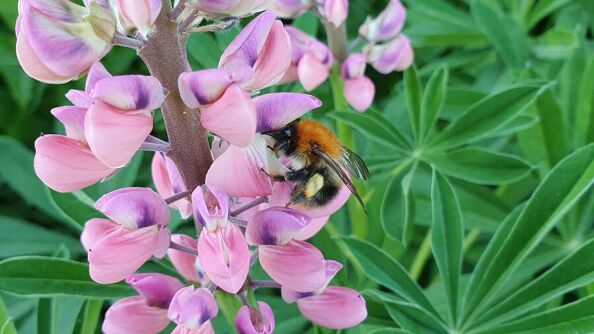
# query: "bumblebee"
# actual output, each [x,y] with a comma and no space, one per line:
[319,163]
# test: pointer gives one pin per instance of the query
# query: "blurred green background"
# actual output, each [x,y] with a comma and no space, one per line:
[486,45]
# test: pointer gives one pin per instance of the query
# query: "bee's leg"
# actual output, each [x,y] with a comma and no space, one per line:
[274,178]
[289,204]
[298,175]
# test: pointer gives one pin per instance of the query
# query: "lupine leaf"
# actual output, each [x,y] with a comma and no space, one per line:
[397,211]
[413,93]
[433,100]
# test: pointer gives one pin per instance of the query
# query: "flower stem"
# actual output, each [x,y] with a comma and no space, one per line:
[264,284]
[164,53]
[177,197]
[184,249]
[249,205]
[153,147]
[238,222]
[127,42]
[422,255]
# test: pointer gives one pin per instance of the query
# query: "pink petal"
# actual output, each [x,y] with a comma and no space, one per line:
[60,44]
[275,111]
[353,67]
[216,6]
[130,92]
[204,87]
[255,321]
[240,171]
[359,93]
[315,226]
[95,229]
[396,55]
[387,25]
[73,119]
[291,296]
[133,315]
[211,207]
[192,308]
[312,72]
[273,61]
[168,182]
[225,257]
[275,226]
[232,117]
[33,66]
[119,252]
[66,165]
[281,195]
[114,135]
[184,263]
[335,308]
[134,207]
[139,14]
[156,289]
[290,8]
[336,11]
[79,98]
[97,72]
[205,328]
[298,266]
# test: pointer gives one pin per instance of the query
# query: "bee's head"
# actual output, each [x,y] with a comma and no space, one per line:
[282,138]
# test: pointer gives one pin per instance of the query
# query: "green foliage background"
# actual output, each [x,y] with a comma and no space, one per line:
[480,208]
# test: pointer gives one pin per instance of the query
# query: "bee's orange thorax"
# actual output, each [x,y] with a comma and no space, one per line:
[310,132]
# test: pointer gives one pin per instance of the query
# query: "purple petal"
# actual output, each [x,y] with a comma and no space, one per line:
[134,207]
[275,111]
[275,226]
[387,25]
[255,321]
[204,87]
[211,207]
[157,289]
[192,308]
[130,92]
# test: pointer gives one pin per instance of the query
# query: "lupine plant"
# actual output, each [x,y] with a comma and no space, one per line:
[149,204]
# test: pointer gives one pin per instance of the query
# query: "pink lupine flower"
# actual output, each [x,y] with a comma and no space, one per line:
[111,120]
[211,207]
[315,226]
[236,8]
[249,165]
[295,264]
[260,55]
[311,60]
[201,88]
[168,182]
[336,11]
[146,313]
[255,320]
[225,257]
[136,230]
[330,306]
[58,40]
[186,264]
[192,310]
[138,15]
[291,8]
[359,90]
[396,55]
[385,26]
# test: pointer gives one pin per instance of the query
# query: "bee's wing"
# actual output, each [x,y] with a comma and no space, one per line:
[344,177]
[354,164]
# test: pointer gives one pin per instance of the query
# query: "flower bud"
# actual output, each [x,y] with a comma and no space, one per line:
[255,320]
[387,25]
[138,15]
[192,309]
[311,59]
[359,90]
[168,182]
[396,55]
[336,11]
[58,40]
[211,207]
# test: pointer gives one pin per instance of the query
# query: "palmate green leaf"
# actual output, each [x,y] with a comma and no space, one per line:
[384,270]
[45,316]
[544,8]
[407,315]
[374,127]
[413,93]
[6,322]
[397,211]
[77,207]
[488,116]
[557,194]
[45,276]
[553,127]
[18,237]
[88,317]
[572,272]
[574,318]
[433,101]
[585,104]
[504,33]
[477,165]
[390,330]
[447,236]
